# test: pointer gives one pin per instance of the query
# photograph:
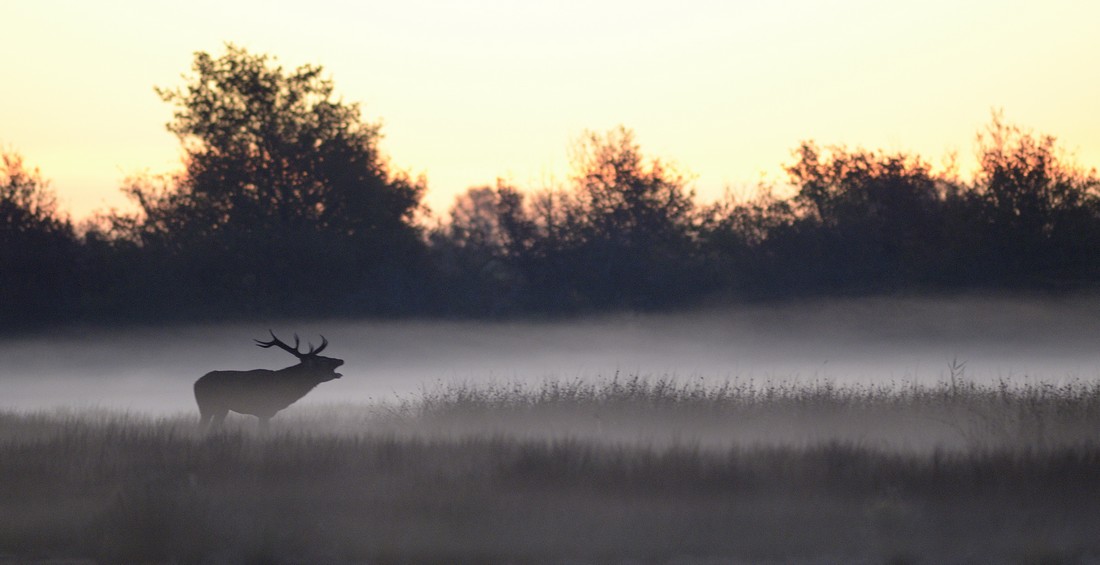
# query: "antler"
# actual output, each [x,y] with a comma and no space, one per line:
[324,344]
[276,342]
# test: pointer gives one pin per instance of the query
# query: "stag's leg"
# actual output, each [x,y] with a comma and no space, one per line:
[211,417]
[218,417]
[204,420]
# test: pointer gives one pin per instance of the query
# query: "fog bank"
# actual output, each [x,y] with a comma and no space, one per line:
[151,369]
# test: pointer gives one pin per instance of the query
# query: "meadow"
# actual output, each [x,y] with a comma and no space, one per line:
[620,469]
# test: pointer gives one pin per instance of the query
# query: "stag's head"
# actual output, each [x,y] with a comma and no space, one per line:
[312,362]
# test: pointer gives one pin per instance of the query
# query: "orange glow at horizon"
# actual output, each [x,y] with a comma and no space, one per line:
[468,92]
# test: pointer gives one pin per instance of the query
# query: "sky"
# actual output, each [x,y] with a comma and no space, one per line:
[468,92]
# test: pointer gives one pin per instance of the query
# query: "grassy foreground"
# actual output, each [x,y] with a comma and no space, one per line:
[613,471]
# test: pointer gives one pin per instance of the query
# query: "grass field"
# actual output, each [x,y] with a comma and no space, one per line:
[619,470]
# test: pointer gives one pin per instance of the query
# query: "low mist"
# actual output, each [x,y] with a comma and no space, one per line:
[859,341]
[890,430]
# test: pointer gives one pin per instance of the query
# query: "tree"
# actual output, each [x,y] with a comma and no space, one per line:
[879,214]
[629,241]
[478,252]
[735,239]
[475,222]
[27,205]
[626,198]
[621,235]
[38,249]
[1039,213]
[285,200]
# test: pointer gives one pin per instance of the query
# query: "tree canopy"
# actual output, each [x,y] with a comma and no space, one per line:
[284,205]
[281,181]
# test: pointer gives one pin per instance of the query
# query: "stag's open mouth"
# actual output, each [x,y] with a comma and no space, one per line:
[336,375]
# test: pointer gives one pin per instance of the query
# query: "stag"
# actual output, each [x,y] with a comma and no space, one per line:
[263,392]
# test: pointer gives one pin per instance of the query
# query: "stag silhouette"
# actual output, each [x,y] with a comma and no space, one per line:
[263,392]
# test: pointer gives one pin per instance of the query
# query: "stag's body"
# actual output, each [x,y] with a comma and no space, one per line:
[262,392]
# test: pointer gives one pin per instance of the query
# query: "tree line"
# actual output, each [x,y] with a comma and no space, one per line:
[285,206]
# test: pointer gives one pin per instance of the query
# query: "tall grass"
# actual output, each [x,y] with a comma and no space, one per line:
[604,471]
[954,414]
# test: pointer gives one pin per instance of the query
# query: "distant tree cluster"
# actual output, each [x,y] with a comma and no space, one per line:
[623,235]
[629,232]
[286,207]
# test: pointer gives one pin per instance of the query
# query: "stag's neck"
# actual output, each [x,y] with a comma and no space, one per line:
[300,375]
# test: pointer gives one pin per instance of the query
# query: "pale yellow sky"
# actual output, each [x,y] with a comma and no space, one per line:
[471,91]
